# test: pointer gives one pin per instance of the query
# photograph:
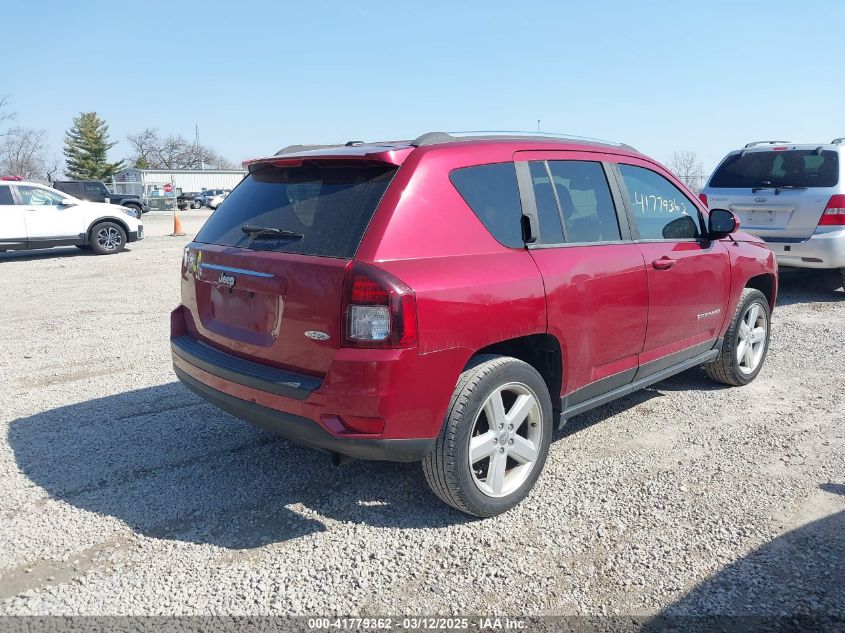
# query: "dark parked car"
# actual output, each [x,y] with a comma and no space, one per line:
[185,199]
[454,298]
[96,191]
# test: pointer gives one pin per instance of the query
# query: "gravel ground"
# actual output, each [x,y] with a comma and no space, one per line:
[122,493]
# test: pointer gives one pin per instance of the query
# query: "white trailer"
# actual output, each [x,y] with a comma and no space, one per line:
[159,187]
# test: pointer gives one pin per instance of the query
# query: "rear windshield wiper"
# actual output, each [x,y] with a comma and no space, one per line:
[779,188]
[265,232]
[767,185]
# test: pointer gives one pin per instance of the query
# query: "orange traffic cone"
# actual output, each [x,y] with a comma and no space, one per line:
[177,225]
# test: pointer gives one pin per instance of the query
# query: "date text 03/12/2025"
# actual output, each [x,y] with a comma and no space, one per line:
[418,623]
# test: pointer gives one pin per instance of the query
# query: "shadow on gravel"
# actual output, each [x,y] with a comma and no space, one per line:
[799,576]
[61,252]
[46,253]
[172,466]
[809,286]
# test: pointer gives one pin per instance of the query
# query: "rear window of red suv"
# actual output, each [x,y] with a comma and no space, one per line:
[777,168]
[317,208]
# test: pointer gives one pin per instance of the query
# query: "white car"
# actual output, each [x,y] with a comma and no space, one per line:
[217,200]
[34,216]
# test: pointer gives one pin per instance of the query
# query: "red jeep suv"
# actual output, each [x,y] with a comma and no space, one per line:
[453,298]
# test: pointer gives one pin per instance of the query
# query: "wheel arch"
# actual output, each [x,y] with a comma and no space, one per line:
[542,352]
[106,218]
[766,284]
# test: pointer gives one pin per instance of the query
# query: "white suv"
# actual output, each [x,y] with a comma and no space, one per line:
[792,196]
[35,216]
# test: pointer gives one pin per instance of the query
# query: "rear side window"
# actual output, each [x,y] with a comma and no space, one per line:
[73,188]
[795,168]
[586,204]
[322,208]
[546,200]
[6,196]
[493,195]
[96,188]
[661,210]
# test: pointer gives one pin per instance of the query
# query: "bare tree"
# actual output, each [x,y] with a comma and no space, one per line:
[686,166]
[6,116]
[53,168]
[23,153]
[152,151]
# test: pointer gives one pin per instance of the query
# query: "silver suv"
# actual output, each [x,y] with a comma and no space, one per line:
[792,196]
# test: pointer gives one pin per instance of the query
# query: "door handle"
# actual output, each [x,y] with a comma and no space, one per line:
[663,263]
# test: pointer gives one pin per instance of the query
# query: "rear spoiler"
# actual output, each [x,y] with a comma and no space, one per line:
[290,157]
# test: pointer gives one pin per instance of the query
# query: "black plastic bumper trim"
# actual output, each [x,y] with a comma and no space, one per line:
[243,372]
[304,431]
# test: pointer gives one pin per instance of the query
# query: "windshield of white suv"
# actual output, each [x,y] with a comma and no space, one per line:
[778,168]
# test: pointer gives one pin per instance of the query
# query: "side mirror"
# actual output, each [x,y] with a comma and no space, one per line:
[68,202]
[721,223]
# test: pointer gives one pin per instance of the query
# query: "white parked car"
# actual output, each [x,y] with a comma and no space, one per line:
[217,200]
[35,216]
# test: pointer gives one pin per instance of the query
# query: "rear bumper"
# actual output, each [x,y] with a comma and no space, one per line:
[824,249]
[305,431]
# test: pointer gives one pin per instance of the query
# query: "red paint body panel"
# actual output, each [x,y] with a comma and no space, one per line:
[607,305]
[698,283]
[263,319]
[590,292]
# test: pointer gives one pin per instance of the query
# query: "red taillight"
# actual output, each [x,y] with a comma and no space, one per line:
[834,212]
[366,291]
[14,178]
[703,198]
[378,309]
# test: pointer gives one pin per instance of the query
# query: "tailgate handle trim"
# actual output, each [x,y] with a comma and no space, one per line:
[239,271]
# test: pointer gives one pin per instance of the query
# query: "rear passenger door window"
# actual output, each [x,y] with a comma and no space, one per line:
[577,193]
[661,211]
[492,194]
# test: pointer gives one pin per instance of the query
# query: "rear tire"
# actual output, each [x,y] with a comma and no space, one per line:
[107,238]
[495,437]
[746,341]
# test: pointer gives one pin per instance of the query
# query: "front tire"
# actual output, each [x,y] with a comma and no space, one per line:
[136,209]
[746,341]
[195,205]
[107,238]
[495,437]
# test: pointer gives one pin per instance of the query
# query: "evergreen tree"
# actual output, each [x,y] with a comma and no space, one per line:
[86,149]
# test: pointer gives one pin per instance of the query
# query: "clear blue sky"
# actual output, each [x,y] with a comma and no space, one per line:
[255,76]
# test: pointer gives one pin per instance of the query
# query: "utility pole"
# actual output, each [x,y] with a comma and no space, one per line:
[538,125]
[197,143]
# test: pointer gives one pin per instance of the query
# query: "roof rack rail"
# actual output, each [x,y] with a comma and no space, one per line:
[435,138]
[838,141]
[756,143]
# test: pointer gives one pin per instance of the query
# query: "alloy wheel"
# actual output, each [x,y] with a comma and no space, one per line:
[752,338]
[505,441]
[109,238]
